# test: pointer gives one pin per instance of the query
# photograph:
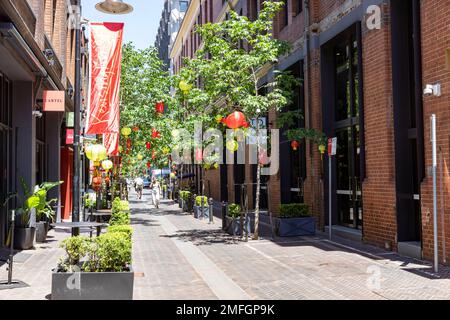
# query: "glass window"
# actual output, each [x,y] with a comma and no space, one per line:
[183,6]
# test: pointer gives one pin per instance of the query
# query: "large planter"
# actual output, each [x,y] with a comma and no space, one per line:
[92,286]
[292,227]
[41,231]
[234,227]
[201,212]
[24,238]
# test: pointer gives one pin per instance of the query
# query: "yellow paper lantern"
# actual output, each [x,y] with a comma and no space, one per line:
[107,165]
[184,86]
[96,153]
[126,131]
[172,175]
[140,157]
[166,150]
[232,145]
[322,148]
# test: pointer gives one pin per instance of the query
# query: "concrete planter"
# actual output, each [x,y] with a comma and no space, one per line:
[292,227]
[24,238]
[201,212]
[188,205]
[92,286]
[234,228]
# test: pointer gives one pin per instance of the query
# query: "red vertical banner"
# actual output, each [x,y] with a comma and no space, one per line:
[111,143]
[105,68]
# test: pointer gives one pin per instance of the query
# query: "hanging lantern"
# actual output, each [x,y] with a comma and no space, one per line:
[126,131]
[166,150]
[219,118]
[246,124]
[322,148]
[155,134]
[184,86]
[159,107]
[135,128]
[232,145]
[235,120]
[198,155]
[295,144]
[107,180]
[148,145]
[140,157]
[129,143]
[96,183]
[149,164]
[96,153]
[107,165]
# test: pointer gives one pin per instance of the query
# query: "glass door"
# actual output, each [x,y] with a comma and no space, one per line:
[347,130]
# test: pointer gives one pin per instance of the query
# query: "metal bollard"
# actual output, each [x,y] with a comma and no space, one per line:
[211,210]
[224,214]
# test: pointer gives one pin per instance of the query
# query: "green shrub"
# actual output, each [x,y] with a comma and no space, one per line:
[185,195]
[76,249]
[294,210]
[234,210]
[120,205]
[89,203]
[113,252]
[120,218]
[199,200]
[126,229]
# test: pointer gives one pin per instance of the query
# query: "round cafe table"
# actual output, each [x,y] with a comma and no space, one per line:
[80,225]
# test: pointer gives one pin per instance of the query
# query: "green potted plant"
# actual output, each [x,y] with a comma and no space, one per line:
[234,223]
[186,200]
[44,210]
[201,207]
[295,219]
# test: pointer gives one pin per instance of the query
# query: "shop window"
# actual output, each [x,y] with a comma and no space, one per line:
[183,6]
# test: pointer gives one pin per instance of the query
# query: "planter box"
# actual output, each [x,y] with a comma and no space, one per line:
[201,212]
[292,227]
[41,232]
[92,286]
[24,238]
[234,228]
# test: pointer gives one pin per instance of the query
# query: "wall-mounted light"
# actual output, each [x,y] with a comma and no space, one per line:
[432,90]
[50,55]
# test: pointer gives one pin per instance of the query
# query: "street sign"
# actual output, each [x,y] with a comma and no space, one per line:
[332,146]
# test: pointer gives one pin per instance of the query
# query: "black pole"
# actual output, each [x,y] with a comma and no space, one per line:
[76,142]
[11,253]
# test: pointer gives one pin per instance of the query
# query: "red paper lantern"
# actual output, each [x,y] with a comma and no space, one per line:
[295,144]
[159,107]
[96,183]
[198,155]
[148,145]
[155,134]
[135,129]
[149,164]
[235,120]
[246,124]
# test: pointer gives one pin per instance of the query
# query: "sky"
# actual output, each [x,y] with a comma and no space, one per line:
[141,25]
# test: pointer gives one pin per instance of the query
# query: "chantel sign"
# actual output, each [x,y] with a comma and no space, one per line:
[53,101]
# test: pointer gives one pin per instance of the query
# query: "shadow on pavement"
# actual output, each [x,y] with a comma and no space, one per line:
[205,237]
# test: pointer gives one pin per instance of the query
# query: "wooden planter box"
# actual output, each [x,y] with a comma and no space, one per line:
[92,285]
[234,228]
[293,227]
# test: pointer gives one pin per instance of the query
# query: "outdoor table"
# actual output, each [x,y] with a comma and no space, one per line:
[100,213]
[73,225]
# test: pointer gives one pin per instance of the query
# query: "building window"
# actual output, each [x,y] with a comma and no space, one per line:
[297,7]
[183,6]
[252,9]
[284,16]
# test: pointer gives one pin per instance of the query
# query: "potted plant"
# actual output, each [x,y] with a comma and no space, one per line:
[201,207]
[44,210]
[233,223]
[99,268]
[95,269]
[186,199]
[295,220]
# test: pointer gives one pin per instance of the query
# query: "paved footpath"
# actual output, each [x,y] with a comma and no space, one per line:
[178,257]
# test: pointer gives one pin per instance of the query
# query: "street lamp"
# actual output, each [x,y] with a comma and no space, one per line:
[114,7]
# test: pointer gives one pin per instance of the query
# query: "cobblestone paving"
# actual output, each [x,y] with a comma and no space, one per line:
[178,257]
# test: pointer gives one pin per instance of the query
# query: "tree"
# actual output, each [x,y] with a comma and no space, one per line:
[229,70]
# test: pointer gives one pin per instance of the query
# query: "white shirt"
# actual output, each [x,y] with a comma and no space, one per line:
[139,181]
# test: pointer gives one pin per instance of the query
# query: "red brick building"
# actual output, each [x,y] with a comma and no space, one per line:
[365,65]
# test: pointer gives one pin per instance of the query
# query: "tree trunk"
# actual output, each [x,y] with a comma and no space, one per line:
[258,182]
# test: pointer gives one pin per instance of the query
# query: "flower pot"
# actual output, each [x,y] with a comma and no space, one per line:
[201,212]
[41,231]
[92,285]
[293,227]
[24,238]
[234,228]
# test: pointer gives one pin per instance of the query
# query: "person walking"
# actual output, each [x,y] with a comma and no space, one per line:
[156,192]
[139,186]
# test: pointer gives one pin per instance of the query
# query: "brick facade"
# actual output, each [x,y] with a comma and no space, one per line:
[379,191]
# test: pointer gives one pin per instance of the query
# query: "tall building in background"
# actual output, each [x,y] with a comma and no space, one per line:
[171,19]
